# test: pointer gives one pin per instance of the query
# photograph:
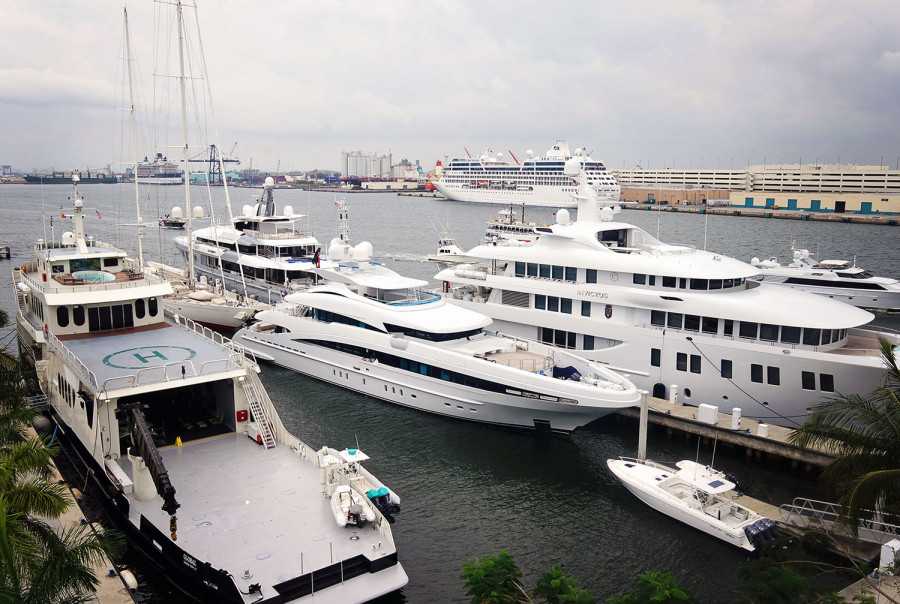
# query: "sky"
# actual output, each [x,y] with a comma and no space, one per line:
[293,83]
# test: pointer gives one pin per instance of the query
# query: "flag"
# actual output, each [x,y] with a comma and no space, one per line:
[98,214]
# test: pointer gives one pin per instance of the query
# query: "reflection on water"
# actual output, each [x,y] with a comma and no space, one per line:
[470,490]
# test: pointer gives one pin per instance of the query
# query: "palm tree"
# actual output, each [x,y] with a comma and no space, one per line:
[863,432]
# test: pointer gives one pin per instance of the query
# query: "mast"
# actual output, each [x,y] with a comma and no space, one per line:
[134,160]
[186,159]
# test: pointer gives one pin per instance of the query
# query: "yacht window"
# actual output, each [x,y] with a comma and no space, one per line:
[105,318]
[756,373]
[571,273]
[699,283]
[553,303]
[681,361]
[658,317]
[790,335]
[811,336]
[546,335]
[590,275]
[62,316]
[58,268]
[695,363]
[652,280]
[93,318]
[520,269]
[655,357]
[715,284]
[153,306]
[107,262]
[78,315]
[826,382]
[639,279]
[674,320]
[532,269]
[139,308]
[566,306]
[544,271]
[669,281]
[728,283]
[726,368]
[588,342]
[773,376]
[808,380]
[827,336]
[585,308]
[710,325]
[692,322]
[556,272]
[540,302]
[728,327]
[749,330]
[768,332]
[682,283]
[118,316]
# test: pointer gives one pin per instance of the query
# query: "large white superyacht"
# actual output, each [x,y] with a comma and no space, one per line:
[371,330]
[678,321]
[154,409]
[538,181]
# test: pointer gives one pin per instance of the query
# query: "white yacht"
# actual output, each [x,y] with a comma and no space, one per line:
[506,227]
[838,279]
[370,330]
[697,495]
[681,323]
[155,410]
[538,181]
[262,254]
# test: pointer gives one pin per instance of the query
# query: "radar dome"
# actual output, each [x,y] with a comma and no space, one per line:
[247,210]
[529,153]
[606,214]
[198,212]
[338,250]
[754,261]
[79,203]
[288,210]
[562,216]
[68,238]
[270,182]
[572,167]
[176,212]
[499,155]
[363,251]
[578,151]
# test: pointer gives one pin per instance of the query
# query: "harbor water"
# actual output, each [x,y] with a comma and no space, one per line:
[470,490]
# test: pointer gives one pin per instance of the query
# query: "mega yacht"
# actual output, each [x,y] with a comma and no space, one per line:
[154,410]
[838,279]
[262,254]
[688,325]
[538,181]
[368,329]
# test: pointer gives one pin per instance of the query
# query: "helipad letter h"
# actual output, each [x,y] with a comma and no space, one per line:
[145,359]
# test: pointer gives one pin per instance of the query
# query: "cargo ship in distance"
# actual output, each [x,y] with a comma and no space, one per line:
[538,181]
[55,177]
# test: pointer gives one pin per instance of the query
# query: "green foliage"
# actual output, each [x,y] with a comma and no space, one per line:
[493,580]
[654,586]
[554,587]
[775,584]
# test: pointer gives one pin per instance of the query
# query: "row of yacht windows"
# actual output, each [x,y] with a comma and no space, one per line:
[103,318]
[685,283]
[570,273]
[750,330]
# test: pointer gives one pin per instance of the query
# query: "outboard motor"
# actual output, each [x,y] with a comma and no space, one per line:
[760,531]
[381,499]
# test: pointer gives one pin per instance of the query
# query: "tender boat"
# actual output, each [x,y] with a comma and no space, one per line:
[538,181]
[368,329]
[697,495]
[838,279]
[154,410]
[685,324]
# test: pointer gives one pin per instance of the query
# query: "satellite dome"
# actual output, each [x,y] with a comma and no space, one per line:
[247,210]
[176,212]
[68,238]
[562,216]
[338,250]
[606,214]
[572,167]
[198,212]
[270,182]
[529,153]
[288,210]
[363,251]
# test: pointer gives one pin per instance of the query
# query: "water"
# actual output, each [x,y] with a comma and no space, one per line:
[469,490]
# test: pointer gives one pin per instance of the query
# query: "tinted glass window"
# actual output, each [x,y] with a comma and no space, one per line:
[585,308]
[655,357]
[773,376]
[588,342]
[657,317]
[726,368]
[728,327]
[153,306]
[531,269]
[540,302]
[566,306]
[590,275]
[808,380]
[669,281]
[639,279]
[571,273]
[557,273]
[790,335]
[826,382]
[544,271]
[692,322]
[768,332]
[811,336]
[749,330]
[681,362]
[710,325]
[78,314]
[62,316]
[695,363]
[756,373]
[674,319]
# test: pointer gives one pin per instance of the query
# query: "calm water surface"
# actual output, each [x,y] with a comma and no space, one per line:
[470,490]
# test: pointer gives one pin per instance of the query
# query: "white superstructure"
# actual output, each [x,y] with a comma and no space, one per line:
[838,279]
[537,181]
[373,331]
[680,322]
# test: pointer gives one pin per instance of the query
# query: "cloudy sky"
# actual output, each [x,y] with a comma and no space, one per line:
[676,82]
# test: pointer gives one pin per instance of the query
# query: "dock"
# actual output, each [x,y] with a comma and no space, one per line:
[882,219]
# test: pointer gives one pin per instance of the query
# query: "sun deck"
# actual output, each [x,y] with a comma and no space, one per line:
[234,491]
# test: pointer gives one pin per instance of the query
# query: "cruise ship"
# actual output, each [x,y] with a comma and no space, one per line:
[538,181]
[159,171]
[685,324]
[368,329]
[153,409]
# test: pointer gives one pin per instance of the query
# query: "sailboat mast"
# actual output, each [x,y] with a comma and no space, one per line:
[186,159]
[134,161]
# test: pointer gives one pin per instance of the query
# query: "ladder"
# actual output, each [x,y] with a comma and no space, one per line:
[253,390]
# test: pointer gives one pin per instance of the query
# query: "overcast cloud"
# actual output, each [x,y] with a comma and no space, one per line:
[675,82]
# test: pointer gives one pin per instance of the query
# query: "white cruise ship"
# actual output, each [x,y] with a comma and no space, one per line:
[672,318]
[538,181]
[154,410]
[373,331]
[159,171]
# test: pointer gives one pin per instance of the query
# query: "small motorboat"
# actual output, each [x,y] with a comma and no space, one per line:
[350,508]
[697,495]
